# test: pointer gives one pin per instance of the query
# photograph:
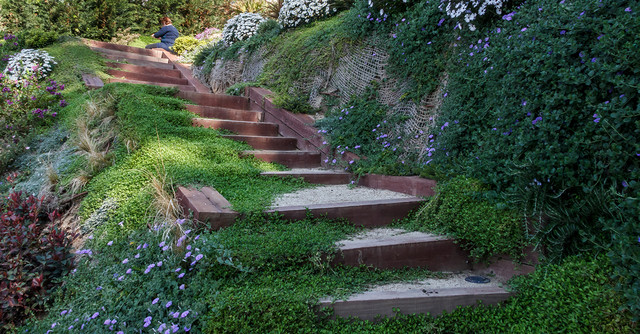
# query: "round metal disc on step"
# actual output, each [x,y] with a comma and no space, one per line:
[477,279]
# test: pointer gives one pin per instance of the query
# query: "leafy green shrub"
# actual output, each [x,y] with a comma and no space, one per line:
[458,209]
[141,282]
[550,121]
[38,38]
[185,44]
[34,254]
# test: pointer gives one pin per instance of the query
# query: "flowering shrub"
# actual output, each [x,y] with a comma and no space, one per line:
[29,62]
[27,102]
[141,283]
[296,12]
[471,9]
[241,27]
[33,254]
[552,123]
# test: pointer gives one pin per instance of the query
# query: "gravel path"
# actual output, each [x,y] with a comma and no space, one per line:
[334,194]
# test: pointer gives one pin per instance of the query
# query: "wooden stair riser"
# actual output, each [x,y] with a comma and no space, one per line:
[145,70]
[225,113]
[329,178]
[130,55]
[139,62]
[179,87]
[217,100]
[148,77]
[369,306]
[436,254]
[367,214]
[123,48]
[239,127]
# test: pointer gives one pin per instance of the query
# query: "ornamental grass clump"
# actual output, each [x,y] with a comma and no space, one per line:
[296,12]
[241,27]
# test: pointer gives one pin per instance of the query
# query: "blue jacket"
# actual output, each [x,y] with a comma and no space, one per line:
[168,34]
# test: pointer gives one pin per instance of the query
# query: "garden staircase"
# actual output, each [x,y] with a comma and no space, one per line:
[231,113]
[282,137]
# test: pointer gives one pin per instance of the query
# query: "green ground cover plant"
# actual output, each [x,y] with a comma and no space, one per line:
[575,296]
[459,209]
[159,130]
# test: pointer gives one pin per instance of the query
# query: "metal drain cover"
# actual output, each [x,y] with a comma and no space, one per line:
[477,279]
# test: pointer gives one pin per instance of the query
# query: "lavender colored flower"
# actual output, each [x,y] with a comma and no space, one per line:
[181,287]
[181,275]
[168,304]
[625,184]
[596,118]
[538,119]
[155,301]
[95,315]
[125,261]
[109,243]
[628,9]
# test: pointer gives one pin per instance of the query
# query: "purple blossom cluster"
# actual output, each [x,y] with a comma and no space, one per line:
[165,315]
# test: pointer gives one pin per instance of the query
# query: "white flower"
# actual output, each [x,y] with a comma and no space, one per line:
[241,27]
[28,62]
[293,12]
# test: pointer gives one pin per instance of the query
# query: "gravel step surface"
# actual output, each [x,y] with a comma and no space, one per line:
[334,194]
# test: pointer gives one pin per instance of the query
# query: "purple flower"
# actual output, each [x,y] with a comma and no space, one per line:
[187,254]
[538,119]
[168,304]
[199,257]
[137,256]
[181,287]
[181,275]
[99,288]
[593,60]
[107,322]
[524,29]
[63,312]
[95,315]
[562,32]
[155,301]
[128,271]
[625,184]
[440,22]
[184,314]
[125,261]
[109,243]
[596,118]
[628,9]
[161,244]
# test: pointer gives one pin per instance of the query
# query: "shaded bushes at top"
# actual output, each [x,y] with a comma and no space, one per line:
[102,19]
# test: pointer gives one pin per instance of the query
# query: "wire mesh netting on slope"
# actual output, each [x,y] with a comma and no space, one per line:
[355,71]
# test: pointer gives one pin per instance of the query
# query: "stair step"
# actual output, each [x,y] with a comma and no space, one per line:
[147,77]
[145,69]
[122,48]
[314,176]
[392,248]
[129,55]
[139,62]
[267,142]
[369,305]
[217,100]
[291,159]
[207,205]
[180,87]
[226,113]
[366,213]
[239,127]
